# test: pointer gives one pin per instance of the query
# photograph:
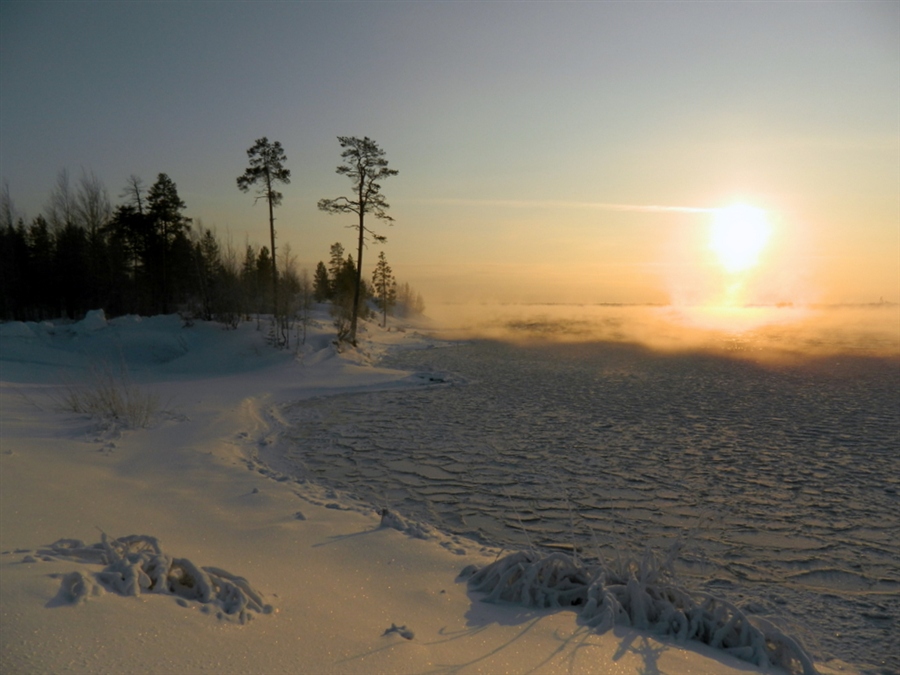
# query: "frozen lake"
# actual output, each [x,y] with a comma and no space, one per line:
[782,478]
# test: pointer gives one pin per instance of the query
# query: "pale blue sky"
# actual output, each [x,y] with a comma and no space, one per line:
[503,119]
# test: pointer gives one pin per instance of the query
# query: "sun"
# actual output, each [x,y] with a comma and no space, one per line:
[738,236]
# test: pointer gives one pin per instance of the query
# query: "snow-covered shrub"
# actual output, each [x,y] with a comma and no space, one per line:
[109,395]
[136,564]
[640,594]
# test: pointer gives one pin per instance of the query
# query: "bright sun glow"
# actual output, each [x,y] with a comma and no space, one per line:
[738,236]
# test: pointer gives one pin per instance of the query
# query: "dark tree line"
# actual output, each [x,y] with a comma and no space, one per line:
[142,257]
[145,256]
[336,283]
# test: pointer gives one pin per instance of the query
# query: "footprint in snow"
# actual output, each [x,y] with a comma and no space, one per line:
[403,631]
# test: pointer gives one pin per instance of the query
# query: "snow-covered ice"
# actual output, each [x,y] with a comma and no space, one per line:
[781,478]
[332,512]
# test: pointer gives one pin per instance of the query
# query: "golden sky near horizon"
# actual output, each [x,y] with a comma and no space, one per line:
[565,152]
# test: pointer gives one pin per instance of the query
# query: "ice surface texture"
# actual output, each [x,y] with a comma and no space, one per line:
[136,564]
[782,477]
[640,595]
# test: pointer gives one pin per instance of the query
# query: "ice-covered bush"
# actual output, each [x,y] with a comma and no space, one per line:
[641,594]
[136,564]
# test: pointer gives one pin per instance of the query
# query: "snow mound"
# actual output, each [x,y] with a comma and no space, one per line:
[94,320]
[409,527]
[16,329]
[136,564]
[641,595]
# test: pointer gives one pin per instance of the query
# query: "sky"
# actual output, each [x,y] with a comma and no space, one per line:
[547,151]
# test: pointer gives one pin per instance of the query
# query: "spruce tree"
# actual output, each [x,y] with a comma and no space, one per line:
[168,227]
[321,283]
[335,265]
[264,266]
[385,287]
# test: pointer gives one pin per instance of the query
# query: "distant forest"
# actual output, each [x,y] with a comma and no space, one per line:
[145,256]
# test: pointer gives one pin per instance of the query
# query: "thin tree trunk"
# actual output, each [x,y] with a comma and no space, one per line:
[165,285]
[272,233]
[356,292]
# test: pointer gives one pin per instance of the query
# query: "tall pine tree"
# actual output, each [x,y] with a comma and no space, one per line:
[265,171]
[365,166]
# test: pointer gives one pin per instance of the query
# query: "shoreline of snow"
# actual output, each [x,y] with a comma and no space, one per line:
[346,594]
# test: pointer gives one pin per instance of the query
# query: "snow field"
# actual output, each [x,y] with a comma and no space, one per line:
[346,591]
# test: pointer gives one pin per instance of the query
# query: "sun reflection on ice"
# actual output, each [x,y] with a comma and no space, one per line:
[736,320]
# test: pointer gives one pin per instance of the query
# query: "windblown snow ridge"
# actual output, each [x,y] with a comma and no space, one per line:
[641,595]
[136,564]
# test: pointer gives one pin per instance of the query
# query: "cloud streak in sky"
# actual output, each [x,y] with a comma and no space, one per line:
[556,204]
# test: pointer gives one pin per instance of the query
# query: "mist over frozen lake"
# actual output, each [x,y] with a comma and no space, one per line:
[779,471]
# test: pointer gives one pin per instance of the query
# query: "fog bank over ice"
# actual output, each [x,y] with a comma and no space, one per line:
[755,332]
